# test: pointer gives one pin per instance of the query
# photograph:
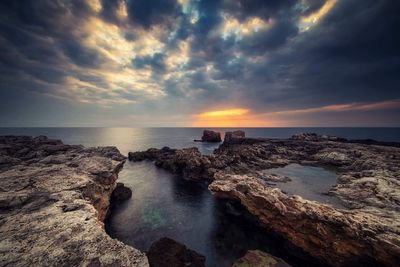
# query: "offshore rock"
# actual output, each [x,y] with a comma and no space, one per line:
[54,198]
[168,252]
[235,136]
[257,258]
[210,136]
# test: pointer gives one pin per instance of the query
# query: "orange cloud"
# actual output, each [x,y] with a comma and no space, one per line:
[306,22]
[224,113]
[235,117]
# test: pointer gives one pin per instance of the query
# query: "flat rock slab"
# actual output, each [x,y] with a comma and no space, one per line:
[53,200]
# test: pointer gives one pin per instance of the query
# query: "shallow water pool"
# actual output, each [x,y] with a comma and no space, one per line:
[309,182]
[166,205]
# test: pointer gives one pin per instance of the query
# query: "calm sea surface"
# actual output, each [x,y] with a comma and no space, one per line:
[132,139]
[165,205]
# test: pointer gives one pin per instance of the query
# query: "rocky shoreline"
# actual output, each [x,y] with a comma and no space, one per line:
[54,198]
[368,232]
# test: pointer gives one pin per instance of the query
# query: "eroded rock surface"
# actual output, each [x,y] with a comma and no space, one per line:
[188,162]
[210,136]
[369,185]
[54,198]
[258,258]
[168,252]
[231,137]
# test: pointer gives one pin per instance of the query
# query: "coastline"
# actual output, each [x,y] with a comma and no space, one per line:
[55,197]
[368,186]
[53,202]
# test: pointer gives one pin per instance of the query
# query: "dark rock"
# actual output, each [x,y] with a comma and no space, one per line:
[188,162]
[135,156]
[70,207]
[320,138]
[306,137]
[120,194]
[232,136]
[168,252]
[210,136]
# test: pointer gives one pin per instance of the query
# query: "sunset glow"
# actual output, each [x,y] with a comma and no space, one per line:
[224,113]
[236,117]
[306,22]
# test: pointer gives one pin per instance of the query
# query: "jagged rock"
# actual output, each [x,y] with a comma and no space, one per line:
[306,137]
[257,258]
[120,194]
[210,136]
[168,252]
[316,137]
[53,201]
[233,136]
[368,233]
[188,162]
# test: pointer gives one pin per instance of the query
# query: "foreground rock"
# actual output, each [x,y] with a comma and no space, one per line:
[54,198]
[257,258]
[120,194]
[168,252]
[368,232]
[210,136]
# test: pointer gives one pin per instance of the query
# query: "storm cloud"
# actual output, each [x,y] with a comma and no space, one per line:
[289,62]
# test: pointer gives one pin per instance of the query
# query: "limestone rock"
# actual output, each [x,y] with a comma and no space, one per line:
[53,200]
[257,258]
[366,233]
[168,252]
[232,136]
[188,162]
[211,136]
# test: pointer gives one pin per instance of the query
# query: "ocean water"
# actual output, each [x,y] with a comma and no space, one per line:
[165,205]
[133,139]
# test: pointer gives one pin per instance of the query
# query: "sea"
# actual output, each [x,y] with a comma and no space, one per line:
[164,205]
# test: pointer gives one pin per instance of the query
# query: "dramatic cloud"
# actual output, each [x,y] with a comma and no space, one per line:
[175,62]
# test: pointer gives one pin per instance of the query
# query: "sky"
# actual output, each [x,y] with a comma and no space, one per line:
[199,63]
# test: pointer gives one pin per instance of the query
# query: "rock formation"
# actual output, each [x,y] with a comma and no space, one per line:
[257,258]
[368,232]
[188,162]
[120,194]
[168,252]
[234,136]
[210,136]
[53,201]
